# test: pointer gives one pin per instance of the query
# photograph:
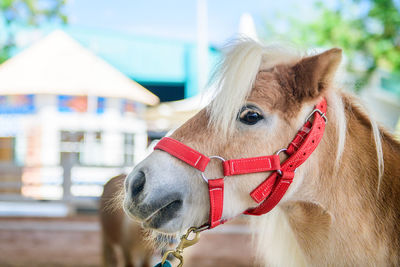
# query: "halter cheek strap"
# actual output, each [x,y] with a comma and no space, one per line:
[271,191]
[251,165]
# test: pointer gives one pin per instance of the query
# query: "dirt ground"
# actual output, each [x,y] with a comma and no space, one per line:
[75,241]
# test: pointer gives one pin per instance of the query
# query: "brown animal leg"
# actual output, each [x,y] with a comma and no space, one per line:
[126,250]
[109,254]
[147,260]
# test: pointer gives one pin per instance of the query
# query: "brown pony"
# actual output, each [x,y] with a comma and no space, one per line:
[119,233]
[343,206]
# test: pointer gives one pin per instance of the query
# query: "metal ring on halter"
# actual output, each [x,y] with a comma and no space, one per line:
[277,153]
[201,228]
[212,157]
[320,113]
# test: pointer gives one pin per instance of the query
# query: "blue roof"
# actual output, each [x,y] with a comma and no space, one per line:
[146,59]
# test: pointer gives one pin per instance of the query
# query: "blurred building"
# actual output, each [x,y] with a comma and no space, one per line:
[169,68]
[69,121]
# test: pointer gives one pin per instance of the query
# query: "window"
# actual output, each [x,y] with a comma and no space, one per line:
[129,148]
[67,103]
[17,104]
[86,145]
[7,149]
[71,141]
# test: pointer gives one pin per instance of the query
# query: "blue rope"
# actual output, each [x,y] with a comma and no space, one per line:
[166,264]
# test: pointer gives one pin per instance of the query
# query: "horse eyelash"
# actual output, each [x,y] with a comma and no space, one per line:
[249,108]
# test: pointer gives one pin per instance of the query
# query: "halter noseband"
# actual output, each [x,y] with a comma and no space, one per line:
[271,191]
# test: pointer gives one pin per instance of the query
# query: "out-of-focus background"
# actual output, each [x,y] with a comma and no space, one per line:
[86,86]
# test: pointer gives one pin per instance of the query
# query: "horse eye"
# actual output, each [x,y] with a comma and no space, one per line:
[250,117]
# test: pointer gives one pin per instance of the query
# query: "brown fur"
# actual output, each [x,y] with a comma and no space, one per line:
[365,228]
[286,88]
[118,232]
[340,219]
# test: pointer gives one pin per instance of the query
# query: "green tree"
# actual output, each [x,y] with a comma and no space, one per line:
[367,30]
[17,14]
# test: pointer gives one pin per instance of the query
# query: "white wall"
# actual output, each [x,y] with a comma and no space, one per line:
[112,124]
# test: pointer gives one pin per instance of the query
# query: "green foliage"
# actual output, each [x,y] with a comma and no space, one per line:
[367,30]
[26,13]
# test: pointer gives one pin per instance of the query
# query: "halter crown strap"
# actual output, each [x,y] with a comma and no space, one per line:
[272,190]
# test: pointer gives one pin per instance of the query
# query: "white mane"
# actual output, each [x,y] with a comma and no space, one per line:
[236,74]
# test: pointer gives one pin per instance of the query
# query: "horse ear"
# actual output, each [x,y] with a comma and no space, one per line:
[315,73]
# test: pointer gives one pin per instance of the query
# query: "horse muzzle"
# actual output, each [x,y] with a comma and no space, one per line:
[155,206]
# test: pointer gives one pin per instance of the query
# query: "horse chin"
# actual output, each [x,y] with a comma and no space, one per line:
[169,228]
[166,220]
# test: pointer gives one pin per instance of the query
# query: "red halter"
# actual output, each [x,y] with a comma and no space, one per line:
[272,190]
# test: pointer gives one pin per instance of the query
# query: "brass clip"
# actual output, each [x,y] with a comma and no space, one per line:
[184,243]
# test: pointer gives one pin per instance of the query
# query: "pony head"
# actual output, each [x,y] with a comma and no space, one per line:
[264,94]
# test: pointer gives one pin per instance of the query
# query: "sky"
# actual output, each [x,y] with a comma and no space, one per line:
[177,18]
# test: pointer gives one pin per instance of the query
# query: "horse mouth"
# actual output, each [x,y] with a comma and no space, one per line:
[163,215]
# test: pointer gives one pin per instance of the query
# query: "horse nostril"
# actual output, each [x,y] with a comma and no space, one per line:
[138,184]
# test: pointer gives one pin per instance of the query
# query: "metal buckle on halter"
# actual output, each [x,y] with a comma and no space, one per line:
[212,157]
[277,153]
[320,113]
